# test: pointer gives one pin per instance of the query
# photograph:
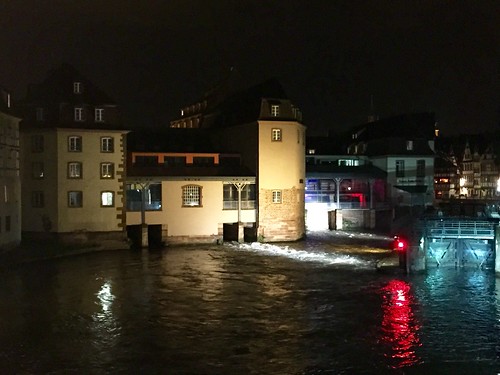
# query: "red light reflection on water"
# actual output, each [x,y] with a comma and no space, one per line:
[399,326]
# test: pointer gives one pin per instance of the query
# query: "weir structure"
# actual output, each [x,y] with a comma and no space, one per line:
[452,242]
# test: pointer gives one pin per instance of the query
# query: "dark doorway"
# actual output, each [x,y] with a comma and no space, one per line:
[250,234]
[154,237]
[230,232]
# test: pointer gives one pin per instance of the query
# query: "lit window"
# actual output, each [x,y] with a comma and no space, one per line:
[74,170]
[99,115]
[276,196]
[276,135]
[311,151]
[79,114]
[191,196]
[400,168]
[75,143]
[77,87]
[37,199]
[37,170]
[107,170]
[275,110]
[37,143]
[75,199]
[39,114]
[409,145]
[107,144]
[107,199]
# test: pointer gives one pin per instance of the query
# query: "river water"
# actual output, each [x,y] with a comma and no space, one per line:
[312,307]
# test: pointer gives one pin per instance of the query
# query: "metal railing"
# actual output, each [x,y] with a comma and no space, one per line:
[460,229]
[233,205]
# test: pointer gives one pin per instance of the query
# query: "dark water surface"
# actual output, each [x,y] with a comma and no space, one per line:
[313,307]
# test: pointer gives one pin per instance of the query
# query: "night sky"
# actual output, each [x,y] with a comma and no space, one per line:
[332,57]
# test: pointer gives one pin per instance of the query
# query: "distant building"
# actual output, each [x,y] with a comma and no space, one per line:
[73,149]
[403,147]
[10,183]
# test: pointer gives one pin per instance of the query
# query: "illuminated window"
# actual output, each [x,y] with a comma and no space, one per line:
[79,114]
[40,115]
[275,110]
[311,151]
[400,168]
[276,196]
[74,169]
[107,199]
[107,170]
[75,199]
[107,144]
[99,115]
[37,199]
[77,87]
[37,170]
[37,143]
[276,135]
[191,196]
[409,145]
[74,143]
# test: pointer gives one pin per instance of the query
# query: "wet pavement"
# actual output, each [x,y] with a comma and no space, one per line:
[313,307]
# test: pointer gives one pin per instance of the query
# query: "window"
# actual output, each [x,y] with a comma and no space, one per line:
[37,199]
[37,170]
[107,144]
[191,196]
[276,196]
[79,114]
[74,169]
[400,168]
[37,143]
[276,135]
[409,145]
[107,199]
[275,110]
[40,115]
[77,87]
[420,168]
[75,199]
[99,115]
[75,143]
[107,170]
[230,197]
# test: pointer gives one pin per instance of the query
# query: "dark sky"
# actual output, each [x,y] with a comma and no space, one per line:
[154,56]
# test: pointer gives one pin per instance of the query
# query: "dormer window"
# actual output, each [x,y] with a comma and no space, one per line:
[77,87]
[409,145]
[99,115]
[275,110]
[79,114]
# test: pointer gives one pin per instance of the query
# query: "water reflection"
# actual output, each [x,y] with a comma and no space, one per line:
[399,326]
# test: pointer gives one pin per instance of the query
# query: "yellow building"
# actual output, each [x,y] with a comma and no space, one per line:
[73,163]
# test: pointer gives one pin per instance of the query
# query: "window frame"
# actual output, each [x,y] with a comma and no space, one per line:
[37,143]
[275,110]
[78,202]
[75,143]
[79,114]
[400,168]
[112,193]
[99,114]
[107,144]
[37,199]
[277,197]
[197,201]
[77,87]
[37,170]
[276,135]
[421,168]
[78,164]
[109,175]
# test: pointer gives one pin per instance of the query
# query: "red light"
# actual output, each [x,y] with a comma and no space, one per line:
[400,245]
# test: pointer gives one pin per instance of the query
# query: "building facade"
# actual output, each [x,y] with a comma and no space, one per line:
[10,183]
[73,152]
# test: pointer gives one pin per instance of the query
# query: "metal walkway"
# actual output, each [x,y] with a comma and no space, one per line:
[459,243]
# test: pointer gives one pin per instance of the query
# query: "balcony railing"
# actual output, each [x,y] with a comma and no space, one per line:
[233,205]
